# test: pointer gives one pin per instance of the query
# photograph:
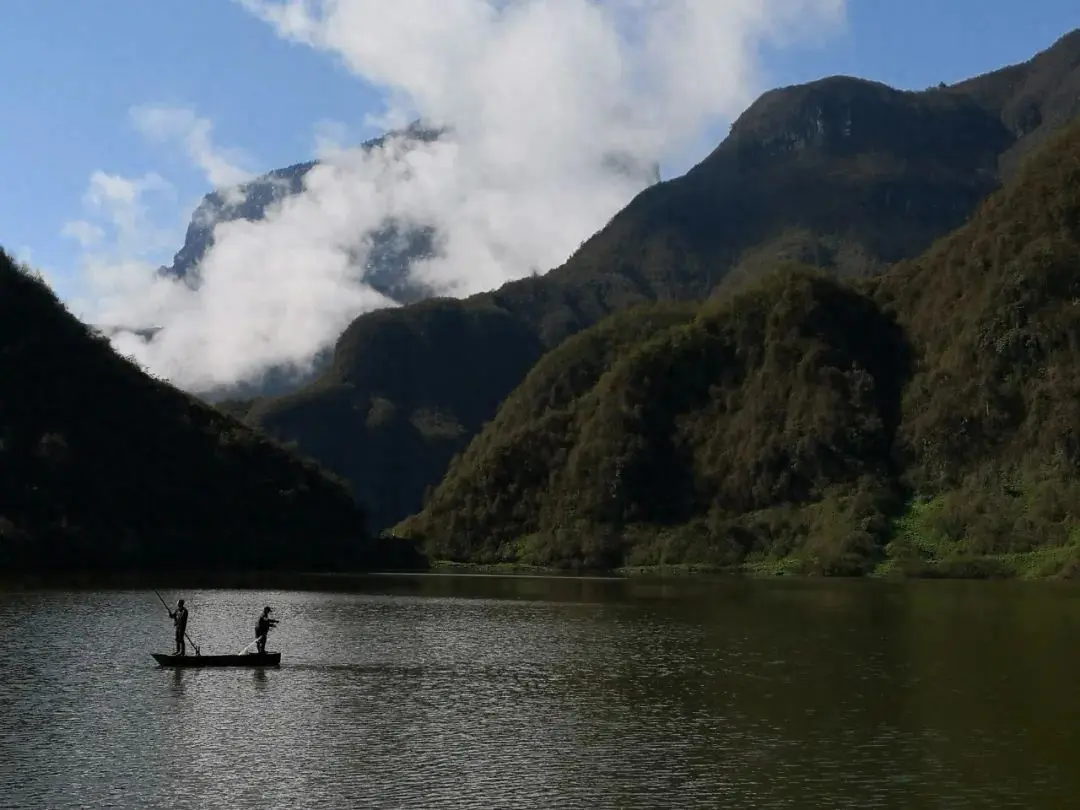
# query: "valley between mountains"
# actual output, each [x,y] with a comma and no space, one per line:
[847,342]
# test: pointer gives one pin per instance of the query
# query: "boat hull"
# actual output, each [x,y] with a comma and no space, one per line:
[270,659]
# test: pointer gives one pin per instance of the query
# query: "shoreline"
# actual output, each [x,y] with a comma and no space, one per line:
[1040,565]
[189,579]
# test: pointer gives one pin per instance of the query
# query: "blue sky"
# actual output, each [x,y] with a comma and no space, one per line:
[74,68]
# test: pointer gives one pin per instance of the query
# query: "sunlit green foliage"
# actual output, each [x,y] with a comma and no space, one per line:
[927,421]
[702,428]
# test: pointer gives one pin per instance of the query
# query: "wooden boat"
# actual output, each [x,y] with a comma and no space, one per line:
[270,659]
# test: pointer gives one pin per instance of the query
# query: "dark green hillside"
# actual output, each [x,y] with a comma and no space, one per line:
[843,174]
[992,418]
[769,415]
[799,417]
[523,445]
[102,467]
[387,425]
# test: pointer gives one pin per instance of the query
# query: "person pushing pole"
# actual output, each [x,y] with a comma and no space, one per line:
[180,619]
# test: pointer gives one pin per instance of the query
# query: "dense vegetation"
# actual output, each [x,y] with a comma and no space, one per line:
[797,355]
[711,426]
[990,439]
[102,467]
[926,420]
[846,175]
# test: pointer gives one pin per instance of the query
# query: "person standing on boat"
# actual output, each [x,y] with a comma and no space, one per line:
[179,617]
[262,627]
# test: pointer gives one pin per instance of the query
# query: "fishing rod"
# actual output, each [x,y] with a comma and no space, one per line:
[167,610]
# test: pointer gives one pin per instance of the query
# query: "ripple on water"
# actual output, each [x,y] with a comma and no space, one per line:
[773,700]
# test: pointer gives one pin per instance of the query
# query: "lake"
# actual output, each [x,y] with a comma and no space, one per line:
[451,691]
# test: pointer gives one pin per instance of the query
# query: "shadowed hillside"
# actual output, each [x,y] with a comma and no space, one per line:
[783,396]
[927,420]
[991,433]
[386,424]
[843,174]
[102,467]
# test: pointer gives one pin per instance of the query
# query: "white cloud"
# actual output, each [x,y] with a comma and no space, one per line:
[331,138]
[539,96]
[87,234]
[223,167]
[122,208]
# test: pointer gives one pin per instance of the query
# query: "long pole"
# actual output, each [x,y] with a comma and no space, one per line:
[167,610]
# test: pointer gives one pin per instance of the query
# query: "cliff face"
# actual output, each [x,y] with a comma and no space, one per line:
[394,247]
[391,253]
[249,201]
[1032,99]
[841,116]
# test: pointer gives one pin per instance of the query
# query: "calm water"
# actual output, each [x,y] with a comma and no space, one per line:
[501,692]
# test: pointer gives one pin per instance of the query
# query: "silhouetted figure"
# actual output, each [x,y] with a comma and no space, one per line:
[179,617]
[262,627]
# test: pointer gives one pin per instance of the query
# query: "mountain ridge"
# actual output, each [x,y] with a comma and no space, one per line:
[851,204]
[393,249]
[921,421]
[253,199]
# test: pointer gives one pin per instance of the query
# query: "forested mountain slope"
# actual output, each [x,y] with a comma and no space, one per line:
[796,418]
[843,174]
[103,467]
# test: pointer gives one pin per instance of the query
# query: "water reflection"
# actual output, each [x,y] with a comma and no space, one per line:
[485,692]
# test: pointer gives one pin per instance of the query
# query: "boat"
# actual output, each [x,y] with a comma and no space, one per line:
[270,659]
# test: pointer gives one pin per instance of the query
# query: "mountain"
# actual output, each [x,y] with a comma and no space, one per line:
[103,467]
[653,435]
[391,250]
[843,174]
[989,435]
[925,419]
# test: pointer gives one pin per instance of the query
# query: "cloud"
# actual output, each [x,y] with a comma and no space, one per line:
[640,74]
[224,168]
[122,246]
[123,210]
[330,138]
[87,234]
[544,100]
[256,306]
